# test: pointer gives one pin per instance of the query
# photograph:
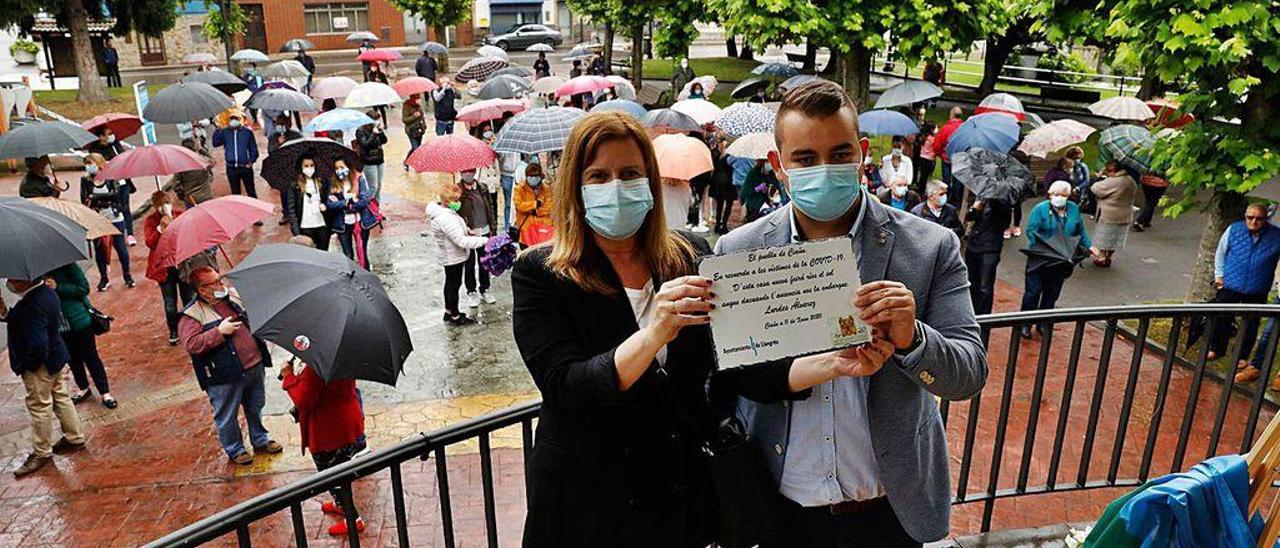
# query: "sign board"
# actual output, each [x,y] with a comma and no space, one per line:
[783,302]
[339,23]
[141,97]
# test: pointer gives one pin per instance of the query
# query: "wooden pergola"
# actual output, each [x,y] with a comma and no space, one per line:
[59,54]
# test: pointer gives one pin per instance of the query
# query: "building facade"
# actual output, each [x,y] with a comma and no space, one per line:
[499,16]
[326,24]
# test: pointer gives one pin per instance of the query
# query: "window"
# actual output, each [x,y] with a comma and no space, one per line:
[151,50]
[336,17]
[197,36]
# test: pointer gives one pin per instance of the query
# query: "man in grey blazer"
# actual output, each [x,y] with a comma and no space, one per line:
[857,448]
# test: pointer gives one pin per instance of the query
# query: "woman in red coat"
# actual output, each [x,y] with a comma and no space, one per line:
[172,286]
[331,421]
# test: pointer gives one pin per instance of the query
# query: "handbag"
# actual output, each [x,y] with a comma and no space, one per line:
[746,499]
[99,322]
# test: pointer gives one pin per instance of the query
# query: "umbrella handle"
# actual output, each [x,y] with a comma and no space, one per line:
[225,256]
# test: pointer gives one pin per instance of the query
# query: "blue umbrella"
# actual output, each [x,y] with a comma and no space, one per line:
[991,131]
[886,122]
[797,80]
[340,119]
[908,92]
[781,71]
[621,105]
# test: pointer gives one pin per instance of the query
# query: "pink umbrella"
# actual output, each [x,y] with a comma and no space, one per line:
[451,154]
[380,54]
[121,124]
[152,160]
[583,84]
[211,223]
[333,87]
[413,85]
[681,157]
[489,109]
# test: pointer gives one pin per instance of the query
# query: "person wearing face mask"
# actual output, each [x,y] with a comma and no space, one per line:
[695,91]
[351,216]
[173,288]
[103,196]
[896,163]
[898,194]
[454,244]
[82,342]
[369,141]
[533,200]
[192,187]
[39,182]
[482,220]
[1054,216]
[108,147]
[445,113]
[240,151]
[229,364]
[1115,196]
[755,188]
[308,208]
[880,468]
[541,67]
[682,76]
[610,319]
[415,126]
[936,209]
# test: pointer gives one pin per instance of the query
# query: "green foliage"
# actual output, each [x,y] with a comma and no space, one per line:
[23,45]
[437,13]
[150,17]
[217,26]
[676,31]
[1070,62]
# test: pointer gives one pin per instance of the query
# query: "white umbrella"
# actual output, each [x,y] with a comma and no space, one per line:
[250,55]
[1055,135]
[622,87]
[493,51]
[285,69]
[755,146]
[701,110]
[1122,108]
[1003,103]
[549,84]
[333,87]
[708,86]
[371,94]
[199,58]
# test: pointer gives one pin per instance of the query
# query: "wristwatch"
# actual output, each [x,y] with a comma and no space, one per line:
[917,339]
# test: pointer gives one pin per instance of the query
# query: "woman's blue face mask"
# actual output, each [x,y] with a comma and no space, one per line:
[617,209]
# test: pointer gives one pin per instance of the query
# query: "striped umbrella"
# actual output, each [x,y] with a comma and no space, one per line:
[621,105]
[994,131]
[776,71]
[666,120]
[504,86]
[908,92]
[742,118]
[1122,108]
[755,146]
[538,130]
[1003,103]
[480,68]
[95,225]
[451,154]
[339,119]
[489,109]
[1055,135]
[1128,144]
[332,87]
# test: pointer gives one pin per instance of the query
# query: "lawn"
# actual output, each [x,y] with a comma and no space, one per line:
[64,102]
[728,69]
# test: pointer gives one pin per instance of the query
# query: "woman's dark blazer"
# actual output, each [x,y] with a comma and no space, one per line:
[610,468]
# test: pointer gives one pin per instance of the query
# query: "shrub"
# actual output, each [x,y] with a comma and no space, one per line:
[1071,62]
[25,46]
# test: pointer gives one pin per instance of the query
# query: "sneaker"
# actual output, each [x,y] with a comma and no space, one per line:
[272,447]
[702,228]
[80,396]
[131,240]
[332,509]
[340,529]
[32,464]
[65,445]
[109,402]
[129,283]
[103,285]
[1248,375]
[473,300]
[173,340]
[243,459]
[488,299]
[461,320]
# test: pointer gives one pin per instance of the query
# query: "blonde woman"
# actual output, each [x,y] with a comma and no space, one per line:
[611,321]
[104,196]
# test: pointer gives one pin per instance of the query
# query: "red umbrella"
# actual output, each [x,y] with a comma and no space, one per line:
[413,85]
[211,223]
[489,109]
[1167,114]
[121,124]
[379,54]
[583,84]
[451,154]
[152,160]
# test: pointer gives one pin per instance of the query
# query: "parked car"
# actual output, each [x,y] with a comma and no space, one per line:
[524,36]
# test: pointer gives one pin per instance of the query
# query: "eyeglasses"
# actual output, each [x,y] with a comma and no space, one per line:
[1254,218]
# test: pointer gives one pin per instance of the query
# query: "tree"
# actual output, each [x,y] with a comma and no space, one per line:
[600,12]
[151,17]
[225,20]
[1225,55]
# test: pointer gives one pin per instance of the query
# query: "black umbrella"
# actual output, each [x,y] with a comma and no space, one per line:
[37,138]
[990,175]
[324,309]
[748,88]
[280,168]
[503,87]
[182,102]
[35,240]
[296,45]
[778,71]
[225,81]
[283,100]
[1060,252]
[670,119]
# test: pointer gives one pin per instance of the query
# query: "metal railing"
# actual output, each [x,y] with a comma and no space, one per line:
[1076,451]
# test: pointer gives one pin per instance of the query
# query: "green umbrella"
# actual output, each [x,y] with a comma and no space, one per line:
[1128,144]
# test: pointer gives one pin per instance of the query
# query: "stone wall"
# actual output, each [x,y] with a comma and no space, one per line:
[177,43]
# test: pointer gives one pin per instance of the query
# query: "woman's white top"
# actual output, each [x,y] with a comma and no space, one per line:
[642,304]
[350,218]
[312,216]
[111,213]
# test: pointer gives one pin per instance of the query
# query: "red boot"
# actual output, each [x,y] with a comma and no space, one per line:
[332,509]
[340,529]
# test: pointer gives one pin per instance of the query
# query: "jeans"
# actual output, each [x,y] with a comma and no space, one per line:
[695,208]
[226,398]
[1222,331]
[982,279]
[319,236]
[125,209]
[373,176]
[1268,331]
[444,128]
[1151,197]
[171,289]
[1044,285]
[473,265]
[241,176]
[875,527]
[452,282]
[413,145]
[83,347]
[47,399]
[113,76]
[102,255]
[508,183]
[346,240]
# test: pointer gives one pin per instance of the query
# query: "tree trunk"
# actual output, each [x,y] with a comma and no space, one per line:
[833,63]
[746,52]
[442,35]
[1226,208]
[810,58]
[637,55]
[92,88]
[731,45]
[998,51]
[855,75]
[224,7]
[1152,86]
[606,49]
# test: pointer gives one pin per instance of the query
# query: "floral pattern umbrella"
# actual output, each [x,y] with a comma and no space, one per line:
[1128,144]
[755,146]
[480,69]
[451,154]
[489,109]
[1055,135]
[740,119]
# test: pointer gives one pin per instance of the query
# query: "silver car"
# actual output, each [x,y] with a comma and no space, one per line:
[524,36]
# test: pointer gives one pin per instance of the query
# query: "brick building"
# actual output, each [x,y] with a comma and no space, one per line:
[327,23]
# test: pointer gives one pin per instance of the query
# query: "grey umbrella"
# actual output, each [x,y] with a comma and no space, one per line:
[748,88]
[537,130]
[285,69]
[282,99]
[225,81]
[797,80]
[513,70]
[362,35]
[324,309]
[540,47]
[183,102]
[35,240]
[778,71]
[40,138]
[296,45]
[907,93]
[991,175]
[250,55]
[504,87]
[435,48]
[665,118]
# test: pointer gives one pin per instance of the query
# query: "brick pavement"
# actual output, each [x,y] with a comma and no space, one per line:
[153,464]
